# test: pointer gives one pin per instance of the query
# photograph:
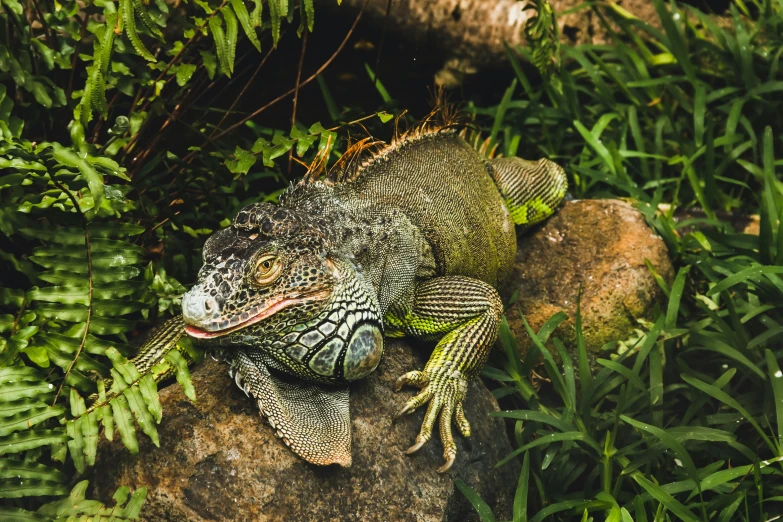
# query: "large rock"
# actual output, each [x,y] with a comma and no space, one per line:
[600,245]
[219,461]
[478,29]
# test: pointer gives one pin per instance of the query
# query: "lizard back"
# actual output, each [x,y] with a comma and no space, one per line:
[445,188]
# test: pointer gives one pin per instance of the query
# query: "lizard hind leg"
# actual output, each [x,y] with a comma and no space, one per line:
[311,418]
[532,190]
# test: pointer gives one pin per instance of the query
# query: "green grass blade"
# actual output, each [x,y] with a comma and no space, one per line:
[776,380]
[666,499]
[726,399]
[520,497]
[481,507]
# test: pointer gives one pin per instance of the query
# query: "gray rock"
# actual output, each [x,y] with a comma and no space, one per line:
[219,460]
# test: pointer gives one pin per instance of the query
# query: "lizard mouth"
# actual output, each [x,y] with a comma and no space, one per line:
[200,333]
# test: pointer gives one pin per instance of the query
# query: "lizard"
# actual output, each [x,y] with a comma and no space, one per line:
[410,238]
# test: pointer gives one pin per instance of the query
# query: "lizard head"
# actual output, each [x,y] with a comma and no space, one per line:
[272,280]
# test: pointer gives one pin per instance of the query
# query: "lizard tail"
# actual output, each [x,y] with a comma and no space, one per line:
[532,190]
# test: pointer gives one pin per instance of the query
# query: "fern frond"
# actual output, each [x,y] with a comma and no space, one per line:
[129,19]
[258,10]
[275,15]
[140,9]
[247,25]
[232,34]
[309,12]
[221,45]
[75,505]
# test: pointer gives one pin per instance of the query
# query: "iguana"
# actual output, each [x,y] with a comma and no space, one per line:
[411,239]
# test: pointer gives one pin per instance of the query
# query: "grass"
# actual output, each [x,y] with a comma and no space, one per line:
[688,423]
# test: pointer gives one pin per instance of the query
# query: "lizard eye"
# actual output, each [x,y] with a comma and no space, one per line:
[267,269]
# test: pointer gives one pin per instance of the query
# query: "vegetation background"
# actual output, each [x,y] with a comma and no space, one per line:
[130,130]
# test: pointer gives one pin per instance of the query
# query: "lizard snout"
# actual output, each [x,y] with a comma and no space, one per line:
[198,308]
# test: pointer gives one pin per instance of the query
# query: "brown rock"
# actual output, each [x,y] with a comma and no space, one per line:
[602,246]
[477,29]
[218,459]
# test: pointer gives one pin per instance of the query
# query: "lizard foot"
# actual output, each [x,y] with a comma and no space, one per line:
[444,389]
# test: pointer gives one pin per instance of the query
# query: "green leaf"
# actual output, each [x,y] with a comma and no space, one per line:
[41,94]
[124,423]
[142,414]
[666,499]
[141,10]
[482,508]
[521,494]
[385,96]
[129,19]
[776,381]
[247,25]
[69,158]
[26,419]
[221,44]
[232,34]
[31,439]
[671,442]
[183,374]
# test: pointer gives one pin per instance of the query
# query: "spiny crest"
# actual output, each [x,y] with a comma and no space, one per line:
[484,147]
[361,154]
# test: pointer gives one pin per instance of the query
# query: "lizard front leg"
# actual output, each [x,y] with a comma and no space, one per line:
[465,314]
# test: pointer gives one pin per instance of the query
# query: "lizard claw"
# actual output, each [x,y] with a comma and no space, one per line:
[443,391]
[449,462]
[414,378]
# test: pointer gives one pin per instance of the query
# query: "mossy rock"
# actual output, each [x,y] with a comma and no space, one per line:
[600,245]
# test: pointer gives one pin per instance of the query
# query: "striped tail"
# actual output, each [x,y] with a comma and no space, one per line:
[532,190]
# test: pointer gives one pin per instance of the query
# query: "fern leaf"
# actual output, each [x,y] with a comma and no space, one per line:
[30,439]
[141,10]
[127,370]
[90,436]
[69,277]
[149,392]
[29,487]
[309,14]
[15,386]
[99,92]
[76,444]
[183,374]
[275,15]
[26,419]
[107,44]
[13,468]
[105,413]
[247,26]
[232,34]
[75,505]
[130,29]
[142,414]
[124,424]
[221,46]
[69,158]
[10,408]
[9,514]
[258,10]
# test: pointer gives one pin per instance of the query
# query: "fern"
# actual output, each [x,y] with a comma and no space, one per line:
[247,24]
[129,19]
[90,291]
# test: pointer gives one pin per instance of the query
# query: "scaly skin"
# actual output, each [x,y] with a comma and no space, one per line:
[411,241]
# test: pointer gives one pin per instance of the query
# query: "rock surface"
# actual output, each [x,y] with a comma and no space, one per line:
[477,29]
[218,459]
[602,246]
